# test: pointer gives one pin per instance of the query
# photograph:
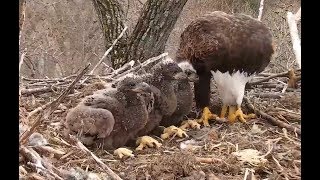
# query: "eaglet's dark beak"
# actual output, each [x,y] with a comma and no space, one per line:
[193,77]
[142,88]
[180,76]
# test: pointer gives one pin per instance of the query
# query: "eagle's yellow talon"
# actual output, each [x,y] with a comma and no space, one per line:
[147,141]
[193,124]
[206,115]
[173,130]
[122,152]
[236,112]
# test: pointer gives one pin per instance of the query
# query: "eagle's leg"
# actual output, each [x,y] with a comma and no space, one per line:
[173,131]
[122,152]
[223,111]
[147,141]
[236,112]
[202,97]
[206,115]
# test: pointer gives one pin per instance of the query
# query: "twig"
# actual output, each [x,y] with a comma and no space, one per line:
[124,68]
[273,95]
[26,134]
[292,22]
[207,160]
[283,74]
[64,94]
[260,10]
[21,60]
[27,92]
[22,17]
[109,50]
[100,163]
[49,150]
[271,119]
[145,63]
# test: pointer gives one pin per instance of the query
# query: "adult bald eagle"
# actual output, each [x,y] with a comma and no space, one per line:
[231,48]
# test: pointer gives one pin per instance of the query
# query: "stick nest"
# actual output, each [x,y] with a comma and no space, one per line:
[219,152]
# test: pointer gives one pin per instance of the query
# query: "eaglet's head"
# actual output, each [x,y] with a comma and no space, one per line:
[188,69]
[169,70]
[131,83]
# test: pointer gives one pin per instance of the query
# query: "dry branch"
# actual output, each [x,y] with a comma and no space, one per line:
[283,74]
[144,64]
[27,92]
[108,51]
[208,160]
[49,150]
[292,22]
[22,16]
[64,94]
[101,164]
[271,119]
[260,10]
[273,95]
[122,69]
[21,60]
[25,135]
[56,84]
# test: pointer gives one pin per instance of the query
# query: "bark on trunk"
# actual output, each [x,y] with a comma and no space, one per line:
[153,28]
[110,14]
[150,34]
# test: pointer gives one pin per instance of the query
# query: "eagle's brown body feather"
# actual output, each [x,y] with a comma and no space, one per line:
[225,43]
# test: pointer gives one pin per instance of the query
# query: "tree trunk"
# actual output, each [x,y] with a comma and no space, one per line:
[150,34]
[110,14]
[153,28]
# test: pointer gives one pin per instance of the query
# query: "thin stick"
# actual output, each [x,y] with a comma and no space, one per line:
[292,22]
[21,60]
[26,134]
[100,163]
[271,119]
[273,95]
[22,17]
[27,92]
[64,94]
[109,50]
[124,68]
[260,10]
[283,74]
[145,63]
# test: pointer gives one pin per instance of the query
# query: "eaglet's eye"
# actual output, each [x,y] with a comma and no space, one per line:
[132,84]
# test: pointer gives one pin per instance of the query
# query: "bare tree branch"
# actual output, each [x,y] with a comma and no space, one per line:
[260,10]
[292,22]
[108,51]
